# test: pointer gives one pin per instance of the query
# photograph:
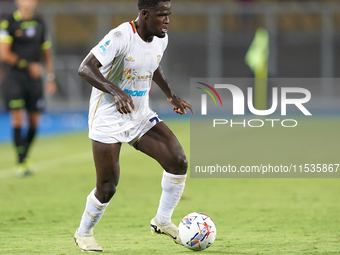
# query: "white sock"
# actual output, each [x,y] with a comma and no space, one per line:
[94,210]
[173,186]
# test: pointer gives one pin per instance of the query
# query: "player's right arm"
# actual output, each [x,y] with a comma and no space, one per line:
[89,70]
[9,57]
[6,53]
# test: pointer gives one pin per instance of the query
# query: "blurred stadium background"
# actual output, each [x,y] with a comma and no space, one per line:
[206,39]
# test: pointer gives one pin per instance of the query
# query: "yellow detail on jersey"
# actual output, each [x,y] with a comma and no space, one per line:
[108,75]
[4,24]
[17,15]
[133,25]
[6,39]
[27,24]
[46,45]
[95,110]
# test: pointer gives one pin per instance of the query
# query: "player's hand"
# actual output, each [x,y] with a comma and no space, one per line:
[50,88]
[34,70]
[123,101]
[180,105]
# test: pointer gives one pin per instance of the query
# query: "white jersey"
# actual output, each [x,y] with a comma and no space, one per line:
[129,63]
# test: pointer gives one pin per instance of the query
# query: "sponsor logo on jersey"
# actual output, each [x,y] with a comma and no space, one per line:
[136,93]
[130,59]
[131,75]
[145,77]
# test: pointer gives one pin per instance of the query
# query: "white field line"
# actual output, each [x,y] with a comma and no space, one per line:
[50,164]
[56,163]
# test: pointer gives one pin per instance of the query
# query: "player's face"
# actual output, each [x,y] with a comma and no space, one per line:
[158,19]
[26,5]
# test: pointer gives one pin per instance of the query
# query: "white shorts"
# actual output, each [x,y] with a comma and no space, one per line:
[132,135]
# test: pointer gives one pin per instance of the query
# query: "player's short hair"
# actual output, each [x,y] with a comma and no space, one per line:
[147,4]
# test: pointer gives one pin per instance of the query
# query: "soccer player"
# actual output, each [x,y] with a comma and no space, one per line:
[121,68]
[23,40]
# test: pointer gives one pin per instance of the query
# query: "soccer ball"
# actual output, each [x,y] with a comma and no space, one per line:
[197,231]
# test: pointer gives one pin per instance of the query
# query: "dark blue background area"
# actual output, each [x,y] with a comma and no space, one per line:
[54,123]
[51,123]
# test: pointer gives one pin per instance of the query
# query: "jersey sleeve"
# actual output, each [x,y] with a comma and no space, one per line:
[113,44]
[5,34]
[46,42]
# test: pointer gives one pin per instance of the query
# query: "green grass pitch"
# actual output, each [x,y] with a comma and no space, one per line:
[39,214]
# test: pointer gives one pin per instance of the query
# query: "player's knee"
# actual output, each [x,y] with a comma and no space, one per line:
[181,165]
[106,190]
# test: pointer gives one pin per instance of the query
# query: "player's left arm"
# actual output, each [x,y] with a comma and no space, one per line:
[180,106]
[46,45]
[50,87]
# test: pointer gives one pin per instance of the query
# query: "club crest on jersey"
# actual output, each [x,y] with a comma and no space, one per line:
[30,32]
[104,46]
[18,32]
[118,34]
[130,75]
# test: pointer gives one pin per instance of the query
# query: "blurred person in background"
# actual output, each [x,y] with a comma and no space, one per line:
[23,43]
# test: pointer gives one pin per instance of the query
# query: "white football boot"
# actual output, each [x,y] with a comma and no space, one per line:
[87,243]
[169,229]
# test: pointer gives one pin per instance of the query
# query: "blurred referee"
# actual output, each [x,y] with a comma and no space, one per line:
[23,42]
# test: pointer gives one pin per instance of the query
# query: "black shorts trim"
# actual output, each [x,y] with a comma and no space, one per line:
[21,91]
